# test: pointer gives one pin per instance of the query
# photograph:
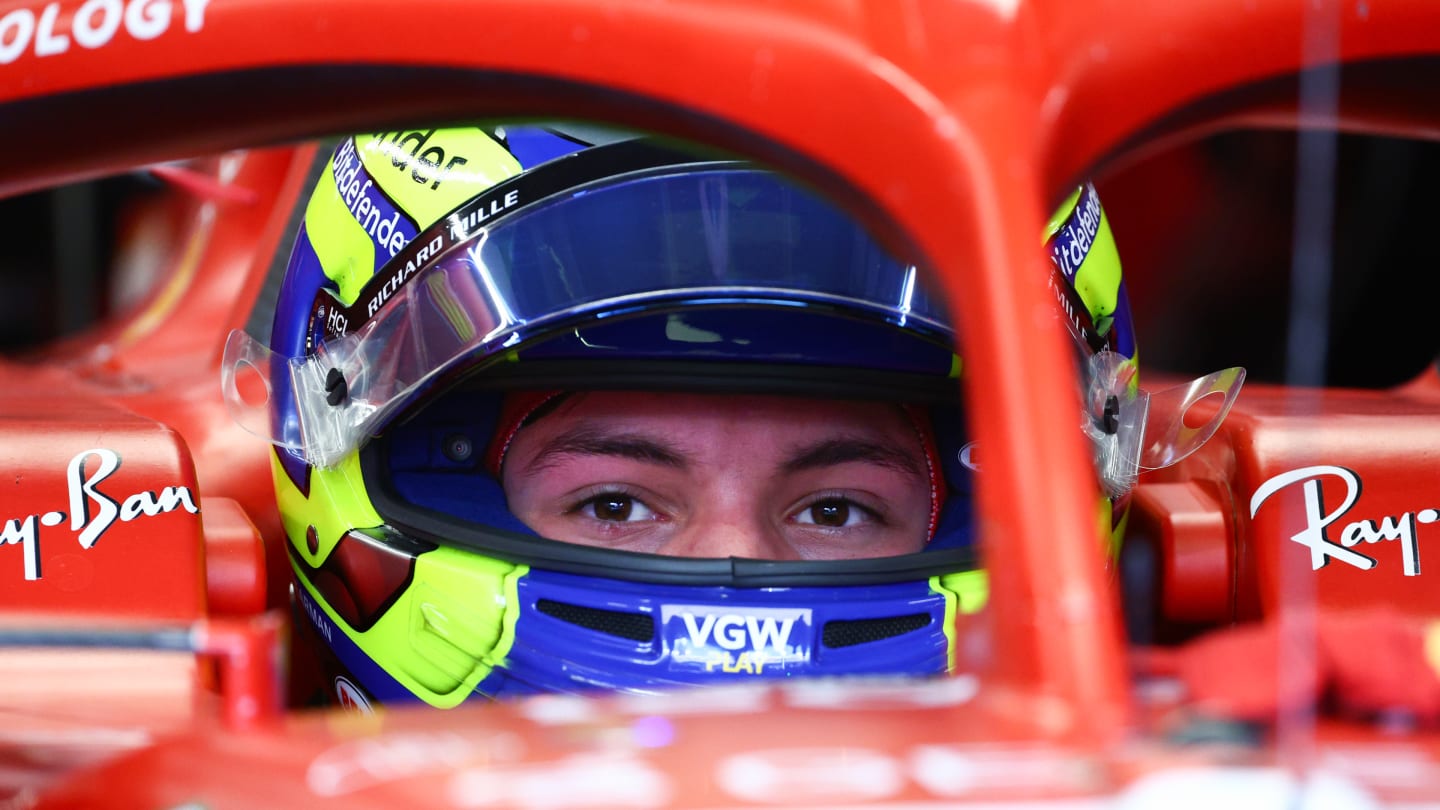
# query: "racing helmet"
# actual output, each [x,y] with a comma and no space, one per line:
[448,287]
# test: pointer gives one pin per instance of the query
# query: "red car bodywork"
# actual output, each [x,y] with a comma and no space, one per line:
[950,127]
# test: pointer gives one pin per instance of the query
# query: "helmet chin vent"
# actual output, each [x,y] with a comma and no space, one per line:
[632,626]
[842,633]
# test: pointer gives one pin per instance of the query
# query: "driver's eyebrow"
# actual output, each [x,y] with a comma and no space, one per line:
[588,440]
[829,452]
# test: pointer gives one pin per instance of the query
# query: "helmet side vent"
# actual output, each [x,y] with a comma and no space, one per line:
[632,626]
[843,633]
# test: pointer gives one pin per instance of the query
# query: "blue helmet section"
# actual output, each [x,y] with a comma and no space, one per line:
[640,637]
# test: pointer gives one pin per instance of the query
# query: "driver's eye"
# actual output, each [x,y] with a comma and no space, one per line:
[616,507]
[830,513]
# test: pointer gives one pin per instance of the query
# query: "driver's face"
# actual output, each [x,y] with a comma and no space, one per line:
[695,475]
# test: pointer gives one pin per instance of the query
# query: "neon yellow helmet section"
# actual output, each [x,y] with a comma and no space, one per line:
[1095,259]
[436,639]
[425,174]
[1090,284]
[336,503]
[966,593]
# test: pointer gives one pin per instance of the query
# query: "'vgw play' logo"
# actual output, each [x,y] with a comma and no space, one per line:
[735,641]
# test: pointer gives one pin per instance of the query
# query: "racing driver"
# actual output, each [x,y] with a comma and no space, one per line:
[564,410]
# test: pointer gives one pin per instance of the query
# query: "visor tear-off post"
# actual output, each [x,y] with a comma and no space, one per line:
[336,390]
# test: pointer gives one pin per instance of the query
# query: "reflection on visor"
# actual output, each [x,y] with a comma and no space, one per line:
[719,237]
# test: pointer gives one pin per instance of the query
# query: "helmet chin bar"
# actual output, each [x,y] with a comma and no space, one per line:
[1132,429]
